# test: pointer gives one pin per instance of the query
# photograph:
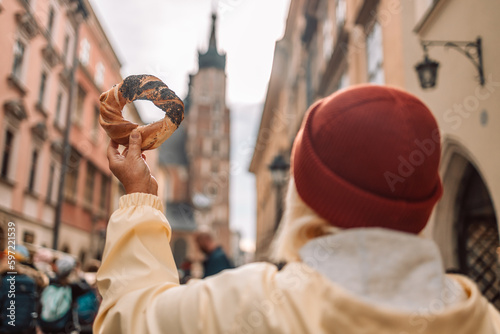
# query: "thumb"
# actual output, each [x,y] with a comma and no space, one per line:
[134,143]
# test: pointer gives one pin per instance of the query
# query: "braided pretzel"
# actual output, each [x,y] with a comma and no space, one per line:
[140,87]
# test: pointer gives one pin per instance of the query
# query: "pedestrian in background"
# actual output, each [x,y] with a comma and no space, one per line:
[59,314]
[20,288]
[42,260]
[364,182]
[215,257]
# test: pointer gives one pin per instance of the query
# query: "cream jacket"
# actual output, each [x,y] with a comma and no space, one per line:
[139,284]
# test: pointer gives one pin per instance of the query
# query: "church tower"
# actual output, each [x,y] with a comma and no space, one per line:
[208,135]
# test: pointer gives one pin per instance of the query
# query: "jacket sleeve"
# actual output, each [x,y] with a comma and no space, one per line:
[139,283]
[137,265]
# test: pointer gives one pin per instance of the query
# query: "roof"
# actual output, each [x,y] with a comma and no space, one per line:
[173,150]
[180,216]
[212,58]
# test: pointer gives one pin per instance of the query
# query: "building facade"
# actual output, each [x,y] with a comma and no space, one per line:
[329,45]
[465,221]
[56,62]
[195,160]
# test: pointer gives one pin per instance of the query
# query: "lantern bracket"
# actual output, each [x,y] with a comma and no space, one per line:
[472,50]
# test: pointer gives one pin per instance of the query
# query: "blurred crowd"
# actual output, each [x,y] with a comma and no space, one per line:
[53,294]
[47,292]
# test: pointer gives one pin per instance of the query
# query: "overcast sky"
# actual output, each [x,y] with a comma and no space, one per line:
[162,37]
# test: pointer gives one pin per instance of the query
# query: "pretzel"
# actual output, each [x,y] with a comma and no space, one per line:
[140,87]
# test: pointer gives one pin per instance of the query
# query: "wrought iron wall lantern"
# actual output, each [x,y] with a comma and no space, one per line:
[427,69]
[279,172]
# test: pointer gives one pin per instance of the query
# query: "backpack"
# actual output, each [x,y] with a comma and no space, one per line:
[87,306]
[20,315]
[56,312]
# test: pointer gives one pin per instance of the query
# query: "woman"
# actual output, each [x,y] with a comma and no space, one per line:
[364,182]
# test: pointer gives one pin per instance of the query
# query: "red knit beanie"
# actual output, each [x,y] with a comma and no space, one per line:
[368,156]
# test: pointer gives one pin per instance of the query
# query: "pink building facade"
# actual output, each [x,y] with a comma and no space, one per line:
[39,51]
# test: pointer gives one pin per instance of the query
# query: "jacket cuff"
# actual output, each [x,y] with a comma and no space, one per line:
[138,199]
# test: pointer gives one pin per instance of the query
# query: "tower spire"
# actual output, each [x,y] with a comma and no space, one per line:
[213,42]
[212,58]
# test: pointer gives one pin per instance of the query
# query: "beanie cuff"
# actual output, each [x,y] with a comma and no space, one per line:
[345,205]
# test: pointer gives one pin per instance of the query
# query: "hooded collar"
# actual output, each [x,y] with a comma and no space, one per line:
[385,267]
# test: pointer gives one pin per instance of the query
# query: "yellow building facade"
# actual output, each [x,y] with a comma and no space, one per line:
[329,45]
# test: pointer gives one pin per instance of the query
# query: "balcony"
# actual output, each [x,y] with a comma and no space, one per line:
[27,24]
[65,76]
[50,55]
[16,83]
[15,108]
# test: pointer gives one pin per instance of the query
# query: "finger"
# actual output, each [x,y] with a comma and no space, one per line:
[134,143]
[125,151]
[112,152]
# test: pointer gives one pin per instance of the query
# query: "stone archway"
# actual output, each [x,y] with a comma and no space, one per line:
[477,235]
[445,215]
[465,224]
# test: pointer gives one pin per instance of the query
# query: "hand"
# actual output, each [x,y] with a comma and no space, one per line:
[130,166]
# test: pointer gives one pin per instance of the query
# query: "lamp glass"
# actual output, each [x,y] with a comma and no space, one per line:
[427,72]
[279,170]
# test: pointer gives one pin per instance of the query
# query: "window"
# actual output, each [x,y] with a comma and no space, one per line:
[82,256]
[41,91]
[215,167]
[80,105]
[58,108]
[104,200]
[89,183]
[19,49]
[374,55]
[216,127]
[28,237]
[217,109]
[7,153]
[50,185]
[99,74]
[215,147]
[65,249]
[95,129]
[340,12]
[65,49]
[70,183]
[50,24]
[84,52]
[212,189]
[33,169]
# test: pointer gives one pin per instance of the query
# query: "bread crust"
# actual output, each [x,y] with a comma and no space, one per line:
[140,87]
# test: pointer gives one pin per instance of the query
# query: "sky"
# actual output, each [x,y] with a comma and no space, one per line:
[162,37]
